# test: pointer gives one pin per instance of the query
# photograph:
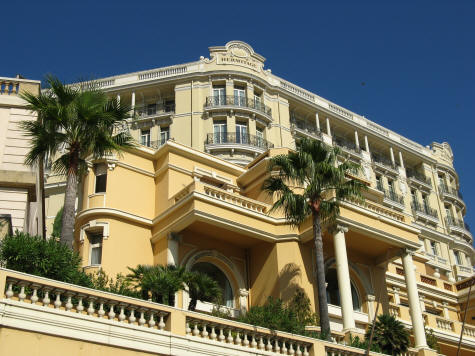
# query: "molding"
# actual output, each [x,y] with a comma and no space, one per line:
[135,169]
[86,213]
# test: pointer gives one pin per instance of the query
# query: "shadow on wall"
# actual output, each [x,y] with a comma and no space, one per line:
[287,283]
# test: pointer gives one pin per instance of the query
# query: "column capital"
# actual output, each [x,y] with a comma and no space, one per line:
[396,289]
[338,228]
[370,298]
[407,251]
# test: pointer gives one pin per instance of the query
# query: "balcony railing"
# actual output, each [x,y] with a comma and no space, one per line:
[456,222]
[383,160]
[238,138]
[303,125]
[231,100]
[154,144]
[393,196]
[346,144]
[424,208]
[411,173]
[142,112]
[448,190]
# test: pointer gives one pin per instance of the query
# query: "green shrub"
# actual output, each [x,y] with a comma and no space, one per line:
[363,344]
[46,258]
[58,220]
[432,341]
[120,285]
[389,334]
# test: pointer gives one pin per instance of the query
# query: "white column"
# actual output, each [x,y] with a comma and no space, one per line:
[172,248]
[446,310]
[329,133]
[118,98]
[317,121]
[391,153]
[366,145]
[401,161]
[414,305]
[397,300]
[132,103]
[343,273]
[357,141]
[370,299]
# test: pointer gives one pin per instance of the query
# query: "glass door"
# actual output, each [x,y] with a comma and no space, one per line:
[164,134]
[220,132]
[145,138]
[239,96]
[219,95]
[260,137]
[241,133]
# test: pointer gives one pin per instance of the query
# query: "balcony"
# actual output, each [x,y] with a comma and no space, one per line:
[463,271]
[304,128]
[237,140]
[156,110]
[418,178]
[458,227]
[156,144]
[392,199]
[384,163]
[451,194]
[424,212]
[252,106]
[346,145]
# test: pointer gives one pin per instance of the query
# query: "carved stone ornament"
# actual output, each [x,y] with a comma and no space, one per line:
[238,53]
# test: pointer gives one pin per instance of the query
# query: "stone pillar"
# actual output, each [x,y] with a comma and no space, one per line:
[397,300]
[172,248]
[366,144]
[414,302]
[401,161]
[132,102]
[317,122]
[329,133]
[118,98]
[343,273]
[370,299]
[357,141]
[391,154]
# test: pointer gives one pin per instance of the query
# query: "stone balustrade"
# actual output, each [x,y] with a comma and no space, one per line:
[9,86]
[235,199]
[469,331]
[444,324]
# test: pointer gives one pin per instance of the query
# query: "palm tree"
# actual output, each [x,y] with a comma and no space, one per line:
[389,335]
[311,182]
[74,123]
[202,287]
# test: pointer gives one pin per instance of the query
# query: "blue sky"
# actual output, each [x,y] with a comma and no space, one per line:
[408,65]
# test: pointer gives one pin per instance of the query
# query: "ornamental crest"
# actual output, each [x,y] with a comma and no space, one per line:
[237,53]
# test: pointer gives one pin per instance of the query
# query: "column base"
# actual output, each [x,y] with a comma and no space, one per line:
[353,333]
[425,351]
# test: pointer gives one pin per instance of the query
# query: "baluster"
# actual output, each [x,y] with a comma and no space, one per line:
[9,293]
[69,303]
[221,335]
[122,312]
[204,332]
[237,341]
[34,298]
[283,348]
[253,341]
[142,317]
[196,332]
[80,306]
[245,340]
[46,299]
[101,311]
[90,309]
[213,334]
[305,350]
[262,346]
[299,351]
[276,346]
[268,345]
[188,329]
[152,323]
[291,349]
[161,323]
[57,302]
[132,317]
[6,89]
[111,313]
[230,338]
[22,295]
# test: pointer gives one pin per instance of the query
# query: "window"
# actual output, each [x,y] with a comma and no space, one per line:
[257,101]
[260,137]
[422,242]
[151,109]
[333,291]
[433,248]
[95,241]
[239,96]
[215,273]
[391,186]
[458,257]
[425,201]
[145,137]
[164,134]
[241,133]
[448,213]
[379,182]
[220,132]
[219,95]
[100,171]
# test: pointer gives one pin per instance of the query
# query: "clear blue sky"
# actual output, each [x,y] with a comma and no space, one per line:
[415,58]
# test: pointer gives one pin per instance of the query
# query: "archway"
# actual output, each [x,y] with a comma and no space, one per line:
[333,291]
[218,275]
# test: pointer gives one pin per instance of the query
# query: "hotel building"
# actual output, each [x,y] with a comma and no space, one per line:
[190,194]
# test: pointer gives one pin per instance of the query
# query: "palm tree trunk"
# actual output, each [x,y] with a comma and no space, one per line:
[320,273]
[67,227]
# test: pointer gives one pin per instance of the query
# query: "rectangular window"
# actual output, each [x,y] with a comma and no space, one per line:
[241,133]
[151,109]
[220,132]
[219,95]
[379,183]
[164,134]
[448,213]
[257,101]
[145,137]
[100,171]
[239,96]
[260,137]
[458,258]
[96,249]
[425,202]
[433,247]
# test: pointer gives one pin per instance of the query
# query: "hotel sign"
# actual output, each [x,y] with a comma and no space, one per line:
[239,55]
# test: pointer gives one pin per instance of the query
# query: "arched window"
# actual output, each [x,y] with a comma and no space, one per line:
[333,292]
[218,275]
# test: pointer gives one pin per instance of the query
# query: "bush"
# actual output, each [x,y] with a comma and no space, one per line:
[58,220]
[432,341]
[46,258]
[390,335]
[363,344]
[120,285]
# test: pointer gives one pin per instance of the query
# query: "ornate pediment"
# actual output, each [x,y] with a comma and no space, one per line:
[237,53]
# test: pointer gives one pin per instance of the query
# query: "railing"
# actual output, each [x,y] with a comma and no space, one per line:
[155,143]
[231,100]
[303,125]
[411,173]
[246,336]
[395,311]
[456,222]
[465,284]
[392,195]
[238,138]
[380,159]
[451,191]
[448,287]
[424,208]
[9,87]
[436,258]
[445,324]
[464,269]
[346,144]
[469,331]
[379,209]
[141,112]
[242,202]
[427,280]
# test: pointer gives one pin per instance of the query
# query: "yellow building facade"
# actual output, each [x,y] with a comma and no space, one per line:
[190,194]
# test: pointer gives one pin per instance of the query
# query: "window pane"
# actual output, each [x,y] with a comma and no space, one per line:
[96,255]
[101,183]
